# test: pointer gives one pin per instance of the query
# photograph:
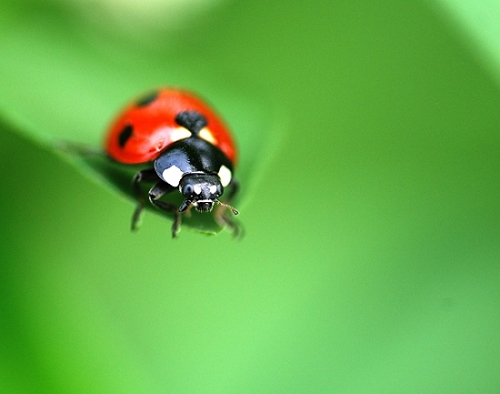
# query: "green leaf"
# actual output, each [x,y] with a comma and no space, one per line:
[370,263]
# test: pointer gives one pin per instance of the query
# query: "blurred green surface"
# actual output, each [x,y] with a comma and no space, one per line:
[369,135]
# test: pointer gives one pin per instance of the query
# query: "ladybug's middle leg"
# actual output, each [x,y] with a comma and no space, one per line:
[148,176]
[156,192]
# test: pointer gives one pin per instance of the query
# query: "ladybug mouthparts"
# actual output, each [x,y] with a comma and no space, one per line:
[203,206]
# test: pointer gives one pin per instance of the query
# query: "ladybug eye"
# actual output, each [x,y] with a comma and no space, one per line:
[187,190]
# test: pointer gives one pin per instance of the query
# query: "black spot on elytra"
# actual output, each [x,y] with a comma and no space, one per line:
[191,120]
[147,99]
[125,135]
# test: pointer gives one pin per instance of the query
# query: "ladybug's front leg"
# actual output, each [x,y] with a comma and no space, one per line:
[156,192]
[222,213]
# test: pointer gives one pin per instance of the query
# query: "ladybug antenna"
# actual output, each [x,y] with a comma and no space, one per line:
[233,210]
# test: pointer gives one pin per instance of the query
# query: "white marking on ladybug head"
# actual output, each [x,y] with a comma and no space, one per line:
[225,175]
[179,133]
[172,175]
[213,189]
[207,135]
[197,188]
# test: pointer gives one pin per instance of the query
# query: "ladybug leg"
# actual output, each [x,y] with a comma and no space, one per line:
[226,220]
[156,192]
[142,176]
[223,216]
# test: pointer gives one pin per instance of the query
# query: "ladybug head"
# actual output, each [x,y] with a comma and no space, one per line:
[200,190]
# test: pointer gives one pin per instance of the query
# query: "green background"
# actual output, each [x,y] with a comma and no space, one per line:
[369,135]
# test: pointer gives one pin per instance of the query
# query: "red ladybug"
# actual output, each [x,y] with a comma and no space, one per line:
[187,146]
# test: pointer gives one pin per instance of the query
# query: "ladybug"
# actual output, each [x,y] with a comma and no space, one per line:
[185,146]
